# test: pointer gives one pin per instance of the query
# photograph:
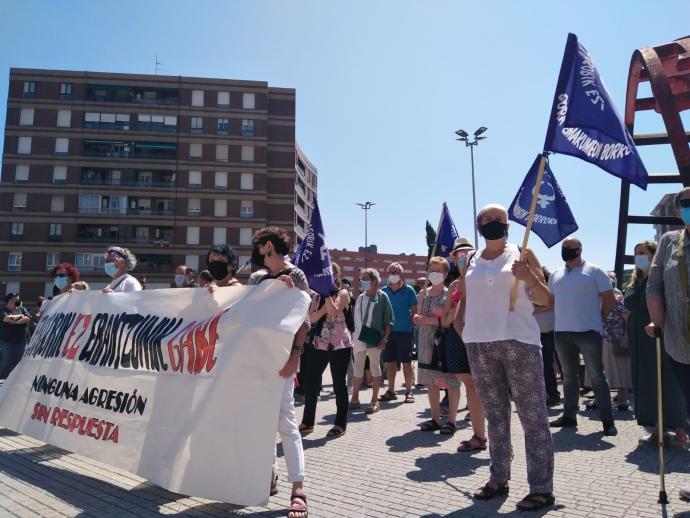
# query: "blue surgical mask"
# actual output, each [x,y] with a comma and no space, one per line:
[365,285]
[685,215]
[110,269]
[60,282]
[642,262]
[180,280]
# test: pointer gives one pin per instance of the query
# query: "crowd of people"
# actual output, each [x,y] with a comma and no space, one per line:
[571,323]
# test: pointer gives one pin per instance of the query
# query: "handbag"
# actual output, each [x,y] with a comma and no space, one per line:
[438,353]
[370,336]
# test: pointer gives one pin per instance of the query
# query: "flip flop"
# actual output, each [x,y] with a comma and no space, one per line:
[335,432]
[536,501]
[372,408]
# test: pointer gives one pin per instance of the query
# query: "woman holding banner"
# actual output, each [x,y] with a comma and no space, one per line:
[270,248]
[119,261]
[504,351]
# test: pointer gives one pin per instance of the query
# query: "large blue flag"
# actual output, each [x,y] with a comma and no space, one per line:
[446,234]
[553,219]
[584,122]
[313,258]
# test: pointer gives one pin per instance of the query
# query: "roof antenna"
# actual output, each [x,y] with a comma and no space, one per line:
[158,66]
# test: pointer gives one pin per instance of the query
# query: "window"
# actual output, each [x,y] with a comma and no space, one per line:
[192,235]
[245,236]
[246,209]
[197,124]
[29,88]
[220,235]
[247,181]
[52,260]
[170,120]
[247,154]
[221,152]
[65,89]
[197,97]
[220,208]
[221,180]
[88,262]
[245,259]
[21,174]
[57,203]
[194,207]
[194,178]
[223,98]
[195,151]
[90,203]
[26,117]
[59,174]
[19,201]
[55,232]
[192,261]
[247,128]
[14,263]
[222,126]
[64,118]
[17,230]
[248,101]
[24,145]
[61,146]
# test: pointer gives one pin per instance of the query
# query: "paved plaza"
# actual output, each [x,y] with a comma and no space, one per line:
[382,466]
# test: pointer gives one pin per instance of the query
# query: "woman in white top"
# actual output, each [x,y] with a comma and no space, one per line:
[119,261]
[504,351]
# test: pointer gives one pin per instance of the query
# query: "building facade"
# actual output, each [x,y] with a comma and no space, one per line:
[352,263]
[665,207]
[305,193]
[165,166]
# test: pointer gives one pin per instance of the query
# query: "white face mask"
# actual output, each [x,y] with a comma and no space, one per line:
[180,280]
[364,285]
[393,278]
[436,278]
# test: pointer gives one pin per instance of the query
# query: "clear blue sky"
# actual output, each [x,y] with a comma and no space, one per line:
[381,87]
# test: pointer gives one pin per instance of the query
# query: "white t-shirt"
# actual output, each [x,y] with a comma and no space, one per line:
[124,283]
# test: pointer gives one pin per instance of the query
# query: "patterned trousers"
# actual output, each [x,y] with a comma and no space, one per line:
[510,368]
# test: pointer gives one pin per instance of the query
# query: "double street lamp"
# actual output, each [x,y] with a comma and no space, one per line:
[469,142]
[366,206]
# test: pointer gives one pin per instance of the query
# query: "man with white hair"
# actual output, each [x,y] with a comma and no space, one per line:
[400,344]
[583,298]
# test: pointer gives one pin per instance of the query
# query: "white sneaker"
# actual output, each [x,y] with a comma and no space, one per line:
[684,493]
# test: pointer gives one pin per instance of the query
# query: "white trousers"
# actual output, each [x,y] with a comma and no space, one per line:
[374,354]
[290,437]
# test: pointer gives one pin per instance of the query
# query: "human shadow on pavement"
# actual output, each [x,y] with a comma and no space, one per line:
[445,467]
[568,439]
[646,458]
[416,439]
[491,508]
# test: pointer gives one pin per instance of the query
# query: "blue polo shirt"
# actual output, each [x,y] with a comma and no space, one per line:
[402,301]
[578,306]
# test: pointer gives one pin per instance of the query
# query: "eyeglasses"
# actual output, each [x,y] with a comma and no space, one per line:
[684,202]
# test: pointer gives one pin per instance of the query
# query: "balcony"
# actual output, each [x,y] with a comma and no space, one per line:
[56,237]
[129,94]
[16,237]
[142,153]
[150,212]
[126,183]
[247,131]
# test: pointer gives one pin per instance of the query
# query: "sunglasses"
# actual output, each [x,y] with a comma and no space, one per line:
[685,203]
[59,275]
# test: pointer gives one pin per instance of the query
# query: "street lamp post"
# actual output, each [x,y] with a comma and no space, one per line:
[465,137]
[366,206]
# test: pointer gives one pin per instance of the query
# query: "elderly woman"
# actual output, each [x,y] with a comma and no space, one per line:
[373,326]
[434,318]
[332,345]
[667,299]
[643,358]
[270,248]
[118,262]
[64,276]
[504,350]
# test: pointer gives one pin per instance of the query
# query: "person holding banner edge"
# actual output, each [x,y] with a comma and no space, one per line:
[504,351]
[270,245]
[667,300]
[119,261]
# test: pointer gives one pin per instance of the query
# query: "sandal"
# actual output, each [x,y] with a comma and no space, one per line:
[430,426]
[305,430]
[536,501]
[372,408]
[336,431]
[388,396]
[476,443]
[354,405]
[274,484]
[409,397]
[447,429]
[487,492]
[298,506]
[468,417]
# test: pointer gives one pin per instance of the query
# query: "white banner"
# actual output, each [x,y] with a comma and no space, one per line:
[175,385]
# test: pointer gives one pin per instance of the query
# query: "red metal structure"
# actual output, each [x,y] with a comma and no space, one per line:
[667,68]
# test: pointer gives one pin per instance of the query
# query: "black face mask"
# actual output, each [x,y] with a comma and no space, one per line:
[568,254]
[218,269]
[257,259]
[493,230]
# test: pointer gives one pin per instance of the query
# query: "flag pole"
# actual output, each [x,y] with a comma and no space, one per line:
[528,229]
[438,229]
